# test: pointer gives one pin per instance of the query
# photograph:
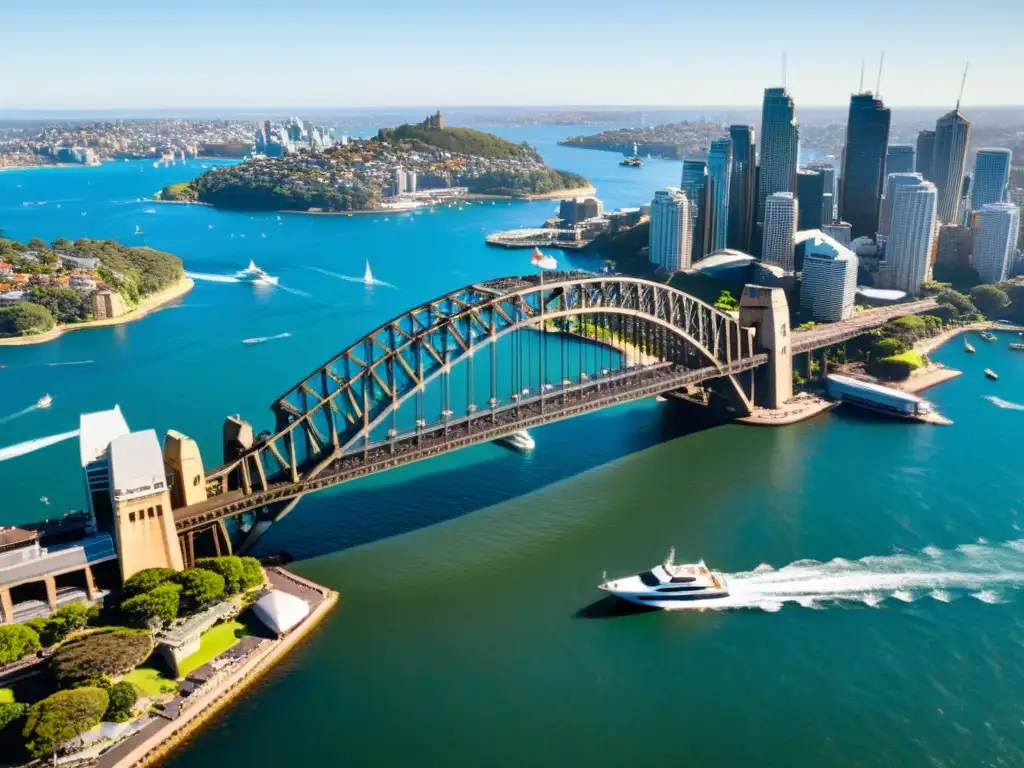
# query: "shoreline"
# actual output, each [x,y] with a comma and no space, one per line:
[172,733]
[146,307]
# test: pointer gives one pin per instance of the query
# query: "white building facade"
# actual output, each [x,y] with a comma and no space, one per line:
[991,177]
[828,283]
[885,212]
[671,236]
[995,241]
[780,215]
[912,236]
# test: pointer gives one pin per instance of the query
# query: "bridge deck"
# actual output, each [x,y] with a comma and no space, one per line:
[833,333]
[481,427]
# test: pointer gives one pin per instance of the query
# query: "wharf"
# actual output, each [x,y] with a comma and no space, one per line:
[535,238]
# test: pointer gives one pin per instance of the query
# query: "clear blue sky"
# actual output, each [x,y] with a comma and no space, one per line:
[339,53]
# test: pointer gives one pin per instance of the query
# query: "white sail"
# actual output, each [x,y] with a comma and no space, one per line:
[368,275]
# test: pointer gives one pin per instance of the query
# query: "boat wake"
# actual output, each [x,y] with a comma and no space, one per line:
[22,412]
[364,280]
[296,291]
[1000,403]
[262,339]
[29,446]
[986,572]
[212,278]
[70,362]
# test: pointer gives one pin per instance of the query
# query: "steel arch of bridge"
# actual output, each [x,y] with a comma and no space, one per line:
[340,404]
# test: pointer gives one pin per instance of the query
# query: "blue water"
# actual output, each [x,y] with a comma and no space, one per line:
[469,630]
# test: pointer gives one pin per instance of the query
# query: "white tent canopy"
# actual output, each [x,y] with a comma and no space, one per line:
[280,611]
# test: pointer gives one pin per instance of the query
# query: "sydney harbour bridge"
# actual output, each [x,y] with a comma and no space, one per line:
[488,360]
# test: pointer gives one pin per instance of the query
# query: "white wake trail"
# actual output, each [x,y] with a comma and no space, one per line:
[22,412]
[352,279]
[262,339]
[1000,403]
[34,445]
[984,571]
[212,278]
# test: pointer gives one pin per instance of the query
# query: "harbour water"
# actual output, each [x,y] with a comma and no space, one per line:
[470,631]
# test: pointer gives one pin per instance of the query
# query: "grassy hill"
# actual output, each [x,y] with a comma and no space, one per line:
[465,141]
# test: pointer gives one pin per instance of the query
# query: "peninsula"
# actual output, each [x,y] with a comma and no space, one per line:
[46,289]
[670,140]
[399,167]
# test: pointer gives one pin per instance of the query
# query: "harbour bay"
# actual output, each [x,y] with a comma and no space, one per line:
[467,631]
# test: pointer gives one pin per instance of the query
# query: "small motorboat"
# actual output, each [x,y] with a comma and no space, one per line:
[968,347]
[44,499]
[669,585]
[991,374]
[987,336]
[253,274]
[521,441]
[1013,345]
[44,401]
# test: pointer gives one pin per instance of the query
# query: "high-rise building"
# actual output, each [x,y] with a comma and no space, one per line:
[828,172]
[810,192]
[925,153]
[991,177]
[912,235]
[949,161]
[995,240]
[780,218]
[828,282]
[695,185]
[780,148]
[719,176]
[894,180]
[862,177]
[671,235]
[954,245]
[742,188]
[899,158]
[838,231]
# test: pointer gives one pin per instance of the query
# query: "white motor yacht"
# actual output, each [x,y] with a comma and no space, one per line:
[668,585]
[520,440]
[253,274]
[44,401]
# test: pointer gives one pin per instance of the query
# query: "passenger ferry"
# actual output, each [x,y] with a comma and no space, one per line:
[668,585]
[253,274]
[521,441]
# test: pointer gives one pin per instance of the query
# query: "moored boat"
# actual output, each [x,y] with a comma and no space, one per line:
[991,374]
[968,347]
[1016,346]
[987,336]
[670,585]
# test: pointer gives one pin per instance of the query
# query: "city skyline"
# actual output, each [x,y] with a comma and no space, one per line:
[323,58]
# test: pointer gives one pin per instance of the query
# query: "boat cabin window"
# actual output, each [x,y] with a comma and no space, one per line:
[649,579]
[683,579]
[680,589]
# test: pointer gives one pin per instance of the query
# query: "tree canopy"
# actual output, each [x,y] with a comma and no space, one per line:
[145,580]
[155,608]
[24,319]
[122,701]
[990,300]
[200,586]
[16,641]
[100,654]
[64,716]
[726,301]
[463,141]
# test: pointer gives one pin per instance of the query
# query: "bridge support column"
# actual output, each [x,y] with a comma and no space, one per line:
[767,312]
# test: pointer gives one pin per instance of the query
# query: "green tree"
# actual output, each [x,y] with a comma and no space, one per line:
[9,712]
[24,319]
[887,348]
[727,302]
[199,586]
[62,244]
[962,305]
[230,567]
[64,304]
[122,702]
[62,717]
[252,573]
[37,244]
[16,641]
[153,609]
[87,659]
[990,300]
[76,615]
[145,580]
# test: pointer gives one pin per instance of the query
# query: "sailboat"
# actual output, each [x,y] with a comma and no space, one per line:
[368,275]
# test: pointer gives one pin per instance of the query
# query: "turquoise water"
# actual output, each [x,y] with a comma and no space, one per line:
[470,631]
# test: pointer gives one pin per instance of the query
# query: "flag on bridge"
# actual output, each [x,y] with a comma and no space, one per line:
[542,260]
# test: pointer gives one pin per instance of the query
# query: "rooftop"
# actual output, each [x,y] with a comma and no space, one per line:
[97,430]
[137,465]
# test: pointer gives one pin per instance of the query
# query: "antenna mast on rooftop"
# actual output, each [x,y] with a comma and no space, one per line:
[783,69]
[861,88]
[878,83]
[962,84]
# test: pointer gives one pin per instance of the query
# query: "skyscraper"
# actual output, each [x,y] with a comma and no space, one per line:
[742,187]
[949,161]
[829,280]
[780,217]
[895,180]
[925,153]
[828,172]
[671,234]
[899,158]
[863,174]
[994,241]
[991,177]
[780,147]
[695,185]
[810,192]
[719,174]
[912,235]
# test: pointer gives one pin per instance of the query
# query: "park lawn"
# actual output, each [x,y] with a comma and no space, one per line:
[6,696]
[910,357]
[212,644]
[150,681]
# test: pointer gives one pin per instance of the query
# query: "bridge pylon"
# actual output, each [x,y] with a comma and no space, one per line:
[766,310]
